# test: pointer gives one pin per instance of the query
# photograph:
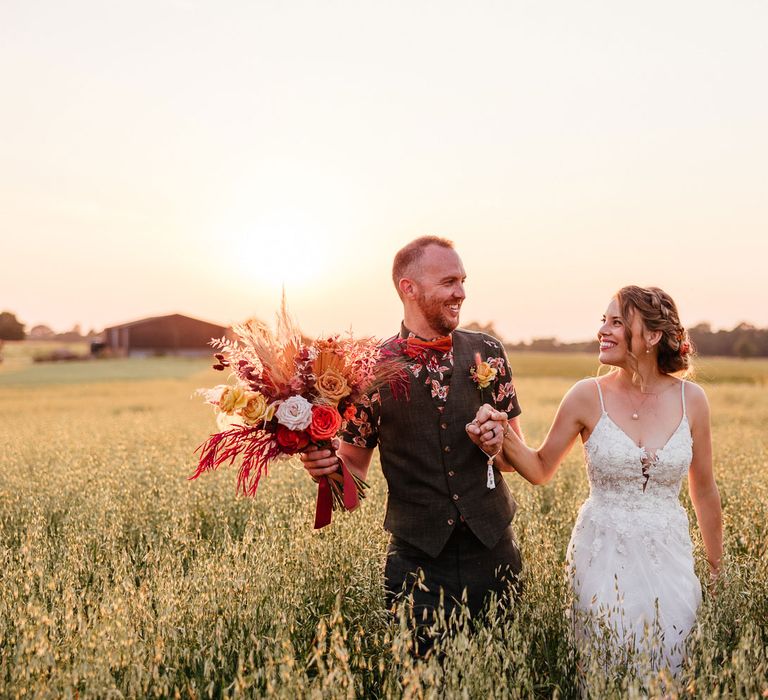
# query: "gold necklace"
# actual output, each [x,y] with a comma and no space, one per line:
[636,411]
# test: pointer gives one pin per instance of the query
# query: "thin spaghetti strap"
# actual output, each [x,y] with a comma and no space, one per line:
[682,392]
[600,393]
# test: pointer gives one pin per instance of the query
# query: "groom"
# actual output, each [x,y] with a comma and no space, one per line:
[449,518]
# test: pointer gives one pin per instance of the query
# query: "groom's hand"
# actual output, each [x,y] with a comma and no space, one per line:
[321,462]
[488,428]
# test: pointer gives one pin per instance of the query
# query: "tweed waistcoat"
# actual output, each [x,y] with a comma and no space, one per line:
[435,474]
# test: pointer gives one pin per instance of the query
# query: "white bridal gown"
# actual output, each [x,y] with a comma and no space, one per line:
[630,558]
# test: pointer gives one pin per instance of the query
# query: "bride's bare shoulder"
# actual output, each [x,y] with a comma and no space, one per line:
[695,398]
[585,387]
[583,395]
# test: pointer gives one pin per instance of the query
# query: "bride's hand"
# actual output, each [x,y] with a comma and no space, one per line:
[488,429]
[714,572]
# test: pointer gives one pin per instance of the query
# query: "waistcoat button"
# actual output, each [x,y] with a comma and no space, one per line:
[444,426]
[455,496]
[451,473]
[450,521]
[447,448]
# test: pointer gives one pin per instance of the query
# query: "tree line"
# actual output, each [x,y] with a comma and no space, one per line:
[13,329]
[745,340]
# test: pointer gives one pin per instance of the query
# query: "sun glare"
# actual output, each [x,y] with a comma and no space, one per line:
[285,250]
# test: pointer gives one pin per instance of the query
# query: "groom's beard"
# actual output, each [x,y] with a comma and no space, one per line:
[434,312]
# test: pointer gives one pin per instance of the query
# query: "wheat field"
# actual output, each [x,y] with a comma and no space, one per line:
[121,579]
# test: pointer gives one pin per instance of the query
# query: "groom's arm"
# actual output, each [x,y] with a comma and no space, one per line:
[490,432]
[358,440]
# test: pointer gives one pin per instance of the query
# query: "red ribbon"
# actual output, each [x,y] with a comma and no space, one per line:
[351,500]
[324,505]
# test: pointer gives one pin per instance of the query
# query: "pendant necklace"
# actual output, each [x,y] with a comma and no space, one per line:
[636,411]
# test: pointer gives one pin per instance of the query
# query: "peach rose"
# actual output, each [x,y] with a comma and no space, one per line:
[332,386]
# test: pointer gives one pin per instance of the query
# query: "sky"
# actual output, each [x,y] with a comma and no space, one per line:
[197,157]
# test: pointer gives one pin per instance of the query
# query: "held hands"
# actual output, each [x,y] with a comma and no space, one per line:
[488,429]
[321,462]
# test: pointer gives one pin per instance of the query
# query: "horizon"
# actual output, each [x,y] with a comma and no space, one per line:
[86,331]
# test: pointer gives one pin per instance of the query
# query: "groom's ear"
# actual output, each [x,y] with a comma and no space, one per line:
[407,288]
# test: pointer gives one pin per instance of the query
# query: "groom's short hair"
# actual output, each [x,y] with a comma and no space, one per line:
[408,257]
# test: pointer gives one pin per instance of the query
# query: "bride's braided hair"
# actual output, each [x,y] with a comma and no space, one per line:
[658,312]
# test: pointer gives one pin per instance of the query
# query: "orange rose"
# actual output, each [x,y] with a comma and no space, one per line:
[326,422]
[332,386]
[484,374]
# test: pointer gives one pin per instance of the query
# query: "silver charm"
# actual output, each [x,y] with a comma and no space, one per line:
[491,482]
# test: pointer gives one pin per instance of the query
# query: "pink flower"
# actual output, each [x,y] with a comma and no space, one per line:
[295,413]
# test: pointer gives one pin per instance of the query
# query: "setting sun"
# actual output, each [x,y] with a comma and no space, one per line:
[278,250]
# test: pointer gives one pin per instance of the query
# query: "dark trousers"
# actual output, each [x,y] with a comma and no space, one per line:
[465,572]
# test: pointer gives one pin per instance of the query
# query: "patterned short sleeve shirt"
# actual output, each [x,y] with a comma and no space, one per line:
[435,370]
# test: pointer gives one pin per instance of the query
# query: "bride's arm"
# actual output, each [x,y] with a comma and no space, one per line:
[539,466]
[701,479]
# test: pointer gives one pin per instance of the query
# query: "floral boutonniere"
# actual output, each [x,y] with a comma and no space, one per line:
[483,373]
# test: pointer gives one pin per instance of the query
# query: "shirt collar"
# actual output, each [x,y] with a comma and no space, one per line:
[406,332]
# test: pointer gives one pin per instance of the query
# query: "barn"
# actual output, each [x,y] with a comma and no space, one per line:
[174,334]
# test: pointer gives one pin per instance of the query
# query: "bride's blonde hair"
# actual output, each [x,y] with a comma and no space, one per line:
[658,312]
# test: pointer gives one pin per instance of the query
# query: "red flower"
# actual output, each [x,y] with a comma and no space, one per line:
[350,412]
[291,441]
[326,422]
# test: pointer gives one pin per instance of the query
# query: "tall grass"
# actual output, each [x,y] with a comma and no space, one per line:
[119,578]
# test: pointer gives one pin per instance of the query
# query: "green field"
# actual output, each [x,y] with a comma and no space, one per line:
[120,578]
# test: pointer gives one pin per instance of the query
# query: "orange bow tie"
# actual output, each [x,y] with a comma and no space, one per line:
[417,346]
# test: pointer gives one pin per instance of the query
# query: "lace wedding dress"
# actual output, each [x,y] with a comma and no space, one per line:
[630,557]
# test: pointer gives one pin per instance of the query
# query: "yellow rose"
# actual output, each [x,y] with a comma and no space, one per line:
[255,410]
[484,374]
[232,399]
[332,386]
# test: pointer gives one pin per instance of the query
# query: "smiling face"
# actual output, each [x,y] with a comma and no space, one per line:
[434,293]
[614,339]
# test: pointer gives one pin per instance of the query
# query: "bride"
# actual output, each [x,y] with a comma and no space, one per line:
[630,561]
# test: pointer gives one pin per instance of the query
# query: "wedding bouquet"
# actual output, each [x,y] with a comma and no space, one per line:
[286,393]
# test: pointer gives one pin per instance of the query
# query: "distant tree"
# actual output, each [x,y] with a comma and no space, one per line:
[544,345]
[10,327]
[71,336]
[745,340]
[488,328]
[745,347]
[41,332]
